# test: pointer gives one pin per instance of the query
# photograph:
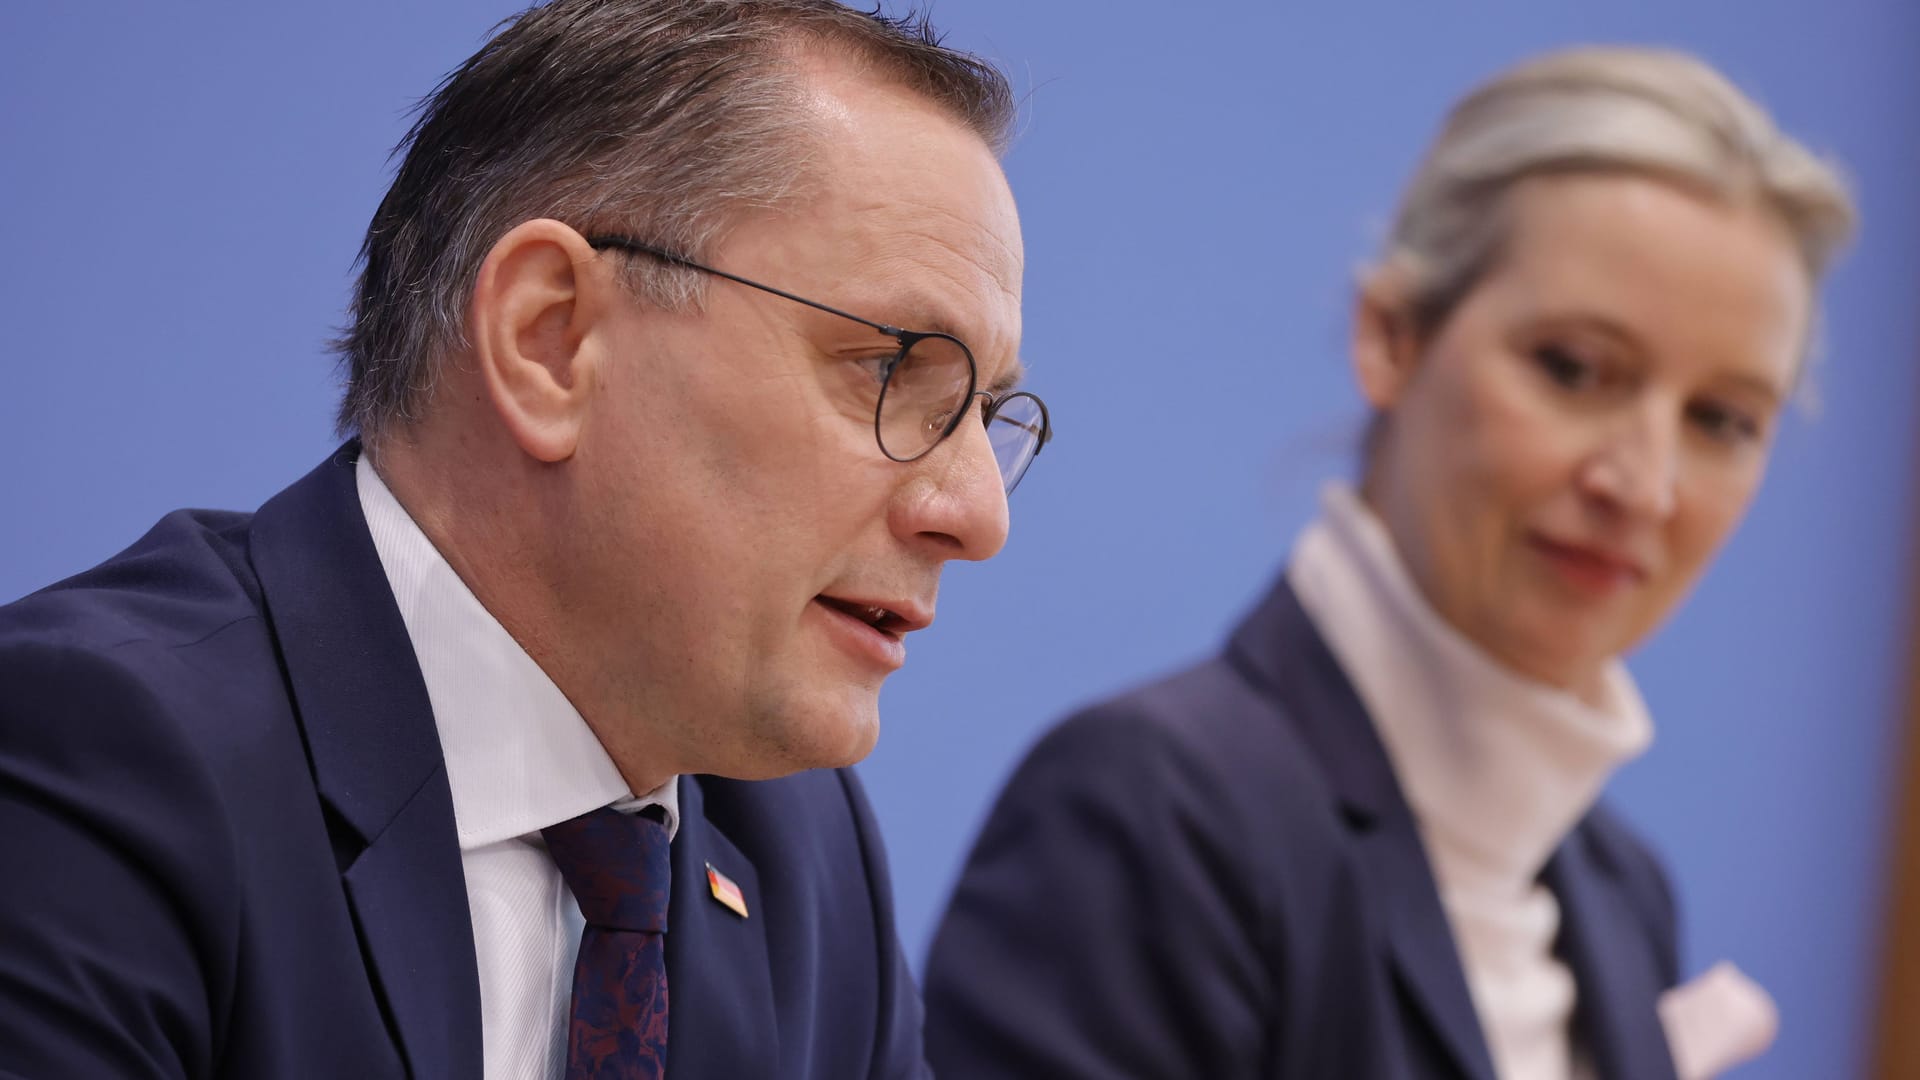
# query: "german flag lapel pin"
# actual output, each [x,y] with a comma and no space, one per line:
[726,892]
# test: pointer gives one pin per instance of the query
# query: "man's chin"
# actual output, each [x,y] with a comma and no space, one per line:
[808,737]
[839,741]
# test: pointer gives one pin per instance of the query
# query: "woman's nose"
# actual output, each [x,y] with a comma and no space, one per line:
[1637,467]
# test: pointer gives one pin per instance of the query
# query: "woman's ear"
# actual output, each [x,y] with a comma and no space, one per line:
[530,318]
[1385,347]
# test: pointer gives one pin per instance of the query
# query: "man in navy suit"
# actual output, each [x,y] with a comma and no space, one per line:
[511,740]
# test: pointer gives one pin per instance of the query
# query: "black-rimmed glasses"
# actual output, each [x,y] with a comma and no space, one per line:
[925,388]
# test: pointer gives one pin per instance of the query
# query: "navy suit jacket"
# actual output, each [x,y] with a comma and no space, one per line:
[227,843]
[1217,875]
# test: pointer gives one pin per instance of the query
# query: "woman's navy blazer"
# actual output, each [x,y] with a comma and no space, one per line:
[1218,876]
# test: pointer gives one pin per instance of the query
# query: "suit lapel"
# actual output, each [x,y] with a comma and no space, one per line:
[721,1019]
[1420,940]
[1619,984]
[376,761]
[1278,648]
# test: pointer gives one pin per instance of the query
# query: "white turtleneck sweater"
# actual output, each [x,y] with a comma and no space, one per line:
[1497,769]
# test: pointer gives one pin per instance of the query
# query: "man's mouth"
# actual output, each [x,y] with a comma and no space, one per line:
[880,618]
[892,616]
[872,627]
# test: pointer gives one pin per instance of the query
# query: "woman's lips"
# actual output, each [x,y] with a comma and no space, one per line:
[1591,570]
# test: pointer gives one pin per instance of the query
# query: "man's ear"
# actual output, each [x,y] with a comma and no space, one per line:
[533,304]
[1385,348]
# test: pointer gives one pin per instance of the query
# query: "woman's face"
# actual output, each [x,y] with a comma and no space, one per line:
[1564,454]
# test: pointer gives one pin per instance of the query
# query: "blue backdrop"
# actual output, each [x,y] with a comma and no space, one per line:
[184,188]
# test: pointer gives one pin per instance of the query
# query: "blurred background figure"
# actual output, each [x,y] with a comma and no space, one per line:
[1197,188]
[1363,841]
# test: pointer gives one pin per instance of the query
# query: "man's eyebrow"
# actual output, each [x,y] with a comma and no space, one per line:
[928,320]
[922,313]
[1007,382]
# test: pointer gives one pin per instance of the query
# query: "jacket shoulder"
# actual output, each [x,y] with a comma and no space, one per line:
[1236,743]
[1164,888]
[1201,773]
[174,628]
[120,846]
[118,685]
[186,578]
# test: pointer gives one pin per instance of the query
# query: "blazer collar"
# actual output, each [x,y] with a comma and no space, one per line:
[1617,1016]
[376,760]
[1278,649]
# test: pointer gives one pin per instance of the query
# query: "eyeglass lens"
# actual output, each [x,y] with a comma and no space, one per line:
[929,383]
[932,379]
[1015,430]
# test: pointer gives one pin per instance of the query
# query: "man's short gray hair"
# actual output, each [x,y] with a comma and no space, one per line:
[666,119]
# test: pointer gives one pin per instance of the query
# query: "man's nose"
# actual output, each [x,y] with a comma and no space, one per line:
[957,505]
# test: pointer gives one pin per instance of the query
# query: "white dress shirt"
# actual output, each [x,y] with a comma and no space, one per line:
[519,758]
[1497,769]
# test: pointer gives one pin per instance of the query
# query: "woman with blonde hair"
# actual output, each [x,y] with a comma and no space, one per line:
[1365,839]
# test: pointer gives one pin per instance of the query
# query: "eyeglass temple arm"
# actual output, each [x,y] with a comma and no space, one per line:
[666,256]
[1045,428]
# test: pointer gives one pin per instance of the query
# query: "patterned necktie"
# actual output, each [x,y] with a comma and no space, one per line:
[618,868]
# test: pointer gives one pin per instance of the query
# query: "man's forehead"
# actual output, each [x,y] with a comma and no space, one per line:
[950,198]
[939,265]
[911,215]
[936,250]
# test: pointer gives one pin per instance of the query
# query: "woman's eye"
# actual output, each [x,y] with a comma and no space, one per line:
[1565,368]
[1723,423]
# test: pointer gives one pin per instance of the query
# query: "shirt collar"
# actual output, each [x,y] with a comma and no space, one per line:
[1497,767]
[519,756]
